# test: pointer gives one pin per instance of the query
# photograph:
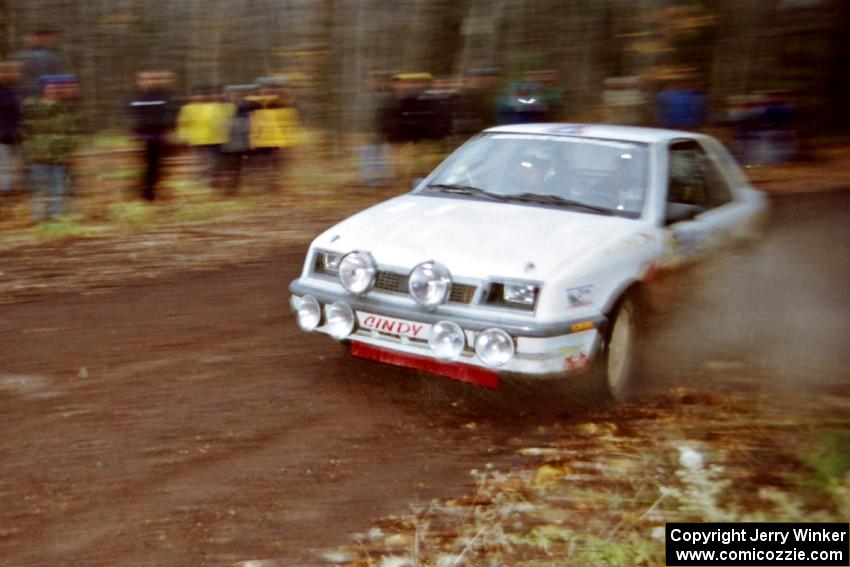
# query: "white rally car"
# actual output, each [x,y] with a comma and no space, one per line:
[526,251]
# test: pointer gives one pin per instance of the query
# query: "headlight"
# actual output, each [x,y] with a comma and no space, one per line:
[429,283]
[447,340]
[357,272]
[494,347]
[339,320]
[327,262]
[309,313]
[515,295]
[523,294]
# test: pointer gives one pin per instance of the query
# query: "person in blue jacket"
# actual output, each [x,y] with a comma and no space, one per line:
[680,106]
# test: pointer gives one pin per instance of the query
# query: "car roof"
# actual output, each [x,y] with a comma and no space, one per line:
[600,131]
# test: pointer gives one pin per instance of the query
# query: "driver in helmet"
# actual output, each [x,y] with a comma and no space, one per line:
[532,173]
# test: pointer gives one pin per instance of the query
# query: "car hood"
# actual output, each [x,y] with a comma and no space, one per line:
[474,238]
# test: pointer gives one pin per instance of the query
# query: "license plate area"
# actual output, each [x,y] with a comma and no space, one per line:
[393,326]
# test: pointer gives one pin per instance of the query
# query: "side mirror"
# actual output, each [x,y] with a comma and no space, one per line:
[416,182]
[678,212]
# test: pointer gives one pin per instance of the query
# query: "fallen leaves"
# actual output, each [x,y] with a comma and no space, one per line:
[549,474]
[605,488]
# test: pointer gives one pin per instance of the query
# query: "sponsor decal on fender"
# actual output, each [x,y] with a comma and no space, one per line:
[580,296]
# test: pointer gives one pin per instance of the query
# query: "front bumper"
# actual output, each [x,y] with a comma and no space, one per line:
[540,349]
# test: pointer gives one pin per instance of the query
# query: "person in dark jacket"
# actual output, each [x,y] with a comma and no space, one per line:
[477,102]
[408,116]
[237,149]
[375,155]
[10,121]
[153,117]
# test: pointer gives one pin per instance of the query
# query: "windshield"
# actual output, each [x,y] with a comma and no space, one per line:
[598,176]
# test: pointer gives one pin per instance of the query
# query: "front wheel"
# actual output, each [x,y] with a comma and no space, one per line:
[620,365]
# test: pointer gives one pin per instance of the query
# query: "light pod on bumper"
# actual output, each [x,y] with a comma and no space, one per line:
[494,347]
[339,320]
[447,340]
[309,313]
[429,283]
[357,272]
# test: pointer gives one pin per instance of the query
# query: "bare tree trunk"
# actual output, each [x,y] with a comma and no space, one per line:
[479,30]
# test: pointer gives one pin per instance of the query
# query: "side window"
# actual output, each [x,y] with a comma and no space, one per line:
[716,188]
[694,178]
[685,184]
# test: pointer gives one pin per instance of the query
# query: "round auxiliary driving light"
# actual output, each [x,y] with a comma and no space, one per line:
[339,320]
[309,313]
[447,340]
[357,272]
[429,283]
[494,347]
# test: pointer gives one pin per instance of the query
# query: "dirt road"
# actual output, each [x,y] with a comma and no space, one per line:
[189,422]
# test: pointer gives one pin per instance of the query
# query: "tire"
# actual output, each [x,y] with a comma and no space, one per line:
[620,365]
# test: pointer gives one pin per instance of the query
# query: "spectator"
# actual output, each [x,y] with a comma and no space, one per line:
[236,150]
[765,127]
[50,134]
[551,92]
[152,115]
[441,102]
[477,101]
[10,119]
[375,161]
[39,58]
[680,105]
[409,117]
[522,104]
[778,127]
[624,101]
[203,124]
[274,130]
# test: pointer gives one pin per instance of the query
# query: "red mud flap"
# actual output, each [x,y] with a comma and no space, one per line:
[453,370]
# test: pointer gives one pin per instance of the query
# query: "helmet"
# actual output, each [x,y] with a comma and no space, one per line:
[532,170]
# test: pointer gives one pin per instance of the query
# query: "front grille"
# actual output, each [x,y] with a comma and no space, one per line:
[391,281]
[461,293]
[394,282]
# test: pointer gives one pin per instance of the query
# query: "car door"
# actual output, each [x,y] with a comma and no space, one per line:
[701,208]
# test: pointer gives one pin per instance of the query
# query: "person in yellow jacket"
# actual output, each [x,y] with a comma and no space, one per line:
[204,124]
[275,129]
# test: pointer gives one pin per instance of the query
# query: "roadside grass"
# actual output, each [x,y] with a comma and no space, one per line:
[68,226]
[602,492]
[827,467]
[129,173]
[109,140]
[104,201]
[132,215]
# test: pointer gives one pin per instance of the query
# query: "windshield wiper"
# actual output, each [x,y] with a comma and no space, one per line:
[549,199]
[465,190]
